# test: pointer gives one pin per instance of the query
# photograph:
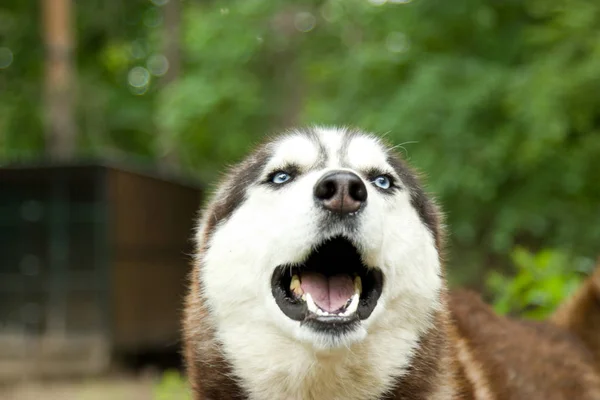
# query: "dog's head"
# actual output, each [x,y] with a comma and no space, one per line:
[321,235]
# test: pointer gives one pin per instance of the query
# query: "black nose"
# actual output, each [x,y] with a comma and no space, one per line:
[341,192]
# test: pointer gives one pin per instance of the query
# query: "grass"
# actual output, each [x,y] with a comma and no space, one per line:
[172,386]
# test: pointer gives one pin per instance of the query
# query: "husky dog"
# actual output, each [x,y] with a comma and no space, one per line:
[319,276]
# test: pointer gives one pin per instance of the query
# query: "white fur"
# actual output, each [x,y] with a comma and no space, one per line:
[365,152]
[273,355]
[293,149]
[332,139]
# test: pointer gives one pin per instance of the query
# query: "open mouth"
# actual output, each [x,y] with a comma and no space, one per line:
[331,290]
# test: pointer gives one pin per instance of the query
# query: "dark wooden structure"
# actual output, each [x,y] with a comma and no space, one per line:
[93,262]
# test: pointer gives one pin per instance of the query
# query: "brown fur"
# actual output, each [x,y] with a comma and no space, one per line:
[523,359]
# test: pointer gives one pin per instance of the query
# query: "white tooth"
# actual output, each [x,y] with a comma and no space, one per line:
[325,313]
[353,305]
[357,285]
[310,303]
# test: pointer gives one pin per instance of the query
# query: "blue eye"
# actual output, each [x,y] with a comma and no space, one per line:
[281,177]
[382,182]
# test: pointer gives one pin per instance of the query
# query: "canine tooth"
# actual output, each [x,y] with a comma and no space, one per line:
[353,305]
[357,285]
[295,282]
[295,286]
[310,303]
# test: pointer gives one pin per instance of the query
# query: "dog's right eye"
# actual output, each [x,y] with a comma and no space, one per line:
[280,177]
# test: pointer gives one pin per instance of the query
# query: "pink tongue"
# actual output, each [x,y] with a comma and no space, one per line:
[329,293]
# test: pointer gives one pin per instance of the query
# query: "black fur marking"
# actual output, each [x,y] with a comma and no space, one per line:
[246,174]
[341,326]
[419,200]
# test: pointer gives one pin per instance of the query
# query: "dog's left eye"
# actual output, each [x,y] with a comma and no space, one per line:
[383,182]
[281,177]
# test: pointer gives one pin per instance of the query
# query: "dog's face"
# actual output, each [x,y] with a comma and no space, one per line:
[322,236]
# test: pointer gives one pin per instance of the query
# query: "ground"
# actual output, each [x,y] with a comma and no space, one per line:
[171,386]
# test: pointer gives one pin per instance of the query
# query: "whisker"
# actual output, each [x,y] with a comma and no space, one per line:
[401,145]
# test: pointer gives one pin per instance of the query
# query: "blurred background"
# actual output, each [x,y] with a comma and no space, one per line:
[117,117]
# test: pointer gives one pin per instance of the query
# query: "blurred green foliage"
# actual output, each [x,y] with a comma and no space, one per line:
[543,281]
[172,386]
[496,101]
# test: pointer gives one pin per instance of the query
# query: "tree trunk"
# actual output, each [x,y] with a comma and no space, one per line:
[60,128]
[172,52]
